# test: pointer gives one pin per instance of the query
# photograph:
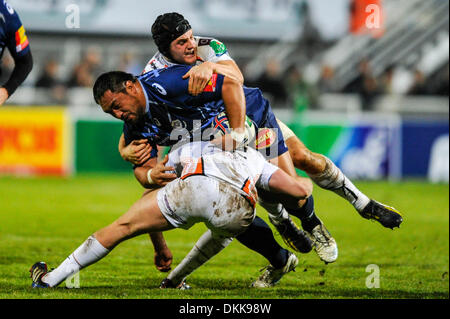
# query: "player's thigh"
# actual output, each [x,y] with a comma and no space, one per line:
[144,215]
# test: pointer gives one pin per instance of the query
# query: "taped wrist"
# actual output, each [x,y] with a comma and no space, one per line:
[239,137]
[149,178]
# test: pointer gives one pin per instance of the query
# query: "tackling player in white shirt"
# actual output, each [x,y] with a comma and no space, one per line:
[214,187]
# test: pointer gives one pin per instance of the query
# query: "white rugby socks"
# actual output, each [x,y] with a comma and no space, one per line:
[333,179]
[88,253]
[205,248]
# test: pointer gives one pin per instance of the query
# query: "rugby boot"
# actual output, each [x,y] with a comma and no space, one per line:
[37,271]
[271,275]
[387,216]
[323,243]
[292,235]
[167,283]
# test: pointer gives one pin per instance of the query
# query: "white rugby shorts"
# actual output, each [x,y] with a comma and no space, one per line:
[184,202]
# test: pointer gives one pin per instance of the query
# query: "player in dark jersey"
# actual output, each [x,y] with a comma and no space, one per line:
[158,107]
[176,44]
[13,37]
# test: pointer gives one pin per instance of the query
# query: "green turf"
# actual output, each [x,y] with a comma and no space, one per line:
[46,219]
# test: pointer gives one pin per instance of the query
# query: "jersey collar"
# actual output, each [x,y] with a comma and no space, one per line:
[147,103]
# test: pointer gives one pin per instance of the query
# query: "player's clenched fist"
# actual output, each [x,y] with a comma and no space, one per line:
[163,259]
[161,174]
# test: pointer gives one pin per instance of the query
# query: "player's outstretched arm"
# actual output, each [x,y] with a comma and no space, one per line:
[163,256]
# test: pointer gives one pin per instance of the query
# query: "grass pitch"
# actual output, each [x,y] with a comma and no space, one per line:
[46,219]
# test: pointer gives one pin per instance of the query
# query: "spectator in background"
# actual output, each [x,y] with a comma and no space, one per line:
[438,83]
[85,73]
[48,80]
[129,64]
[325,83]
[271,83]
[419,86]
[442,88]
[300,94]
[386,80]
[365,85]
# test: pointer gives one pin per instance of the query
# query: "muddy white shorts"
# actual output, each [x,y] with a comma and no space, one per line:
[184,202]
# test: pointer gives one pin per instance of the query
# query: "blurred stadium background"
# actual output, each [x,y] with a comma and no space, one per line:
[375,100]
[378,97]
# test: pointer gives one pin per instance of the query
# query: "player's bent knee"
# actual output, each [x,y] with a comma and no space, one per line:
[311,163]
[300,157]
[123,229]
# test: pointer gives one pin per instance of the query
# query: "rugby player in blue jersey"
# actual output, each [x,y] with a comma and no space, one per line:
[211,56]
[177,45]
[157,106]
[13,37]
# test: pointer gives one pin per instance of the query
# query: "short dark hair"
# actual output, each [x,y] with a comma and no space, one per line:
[113,81]
[166,28]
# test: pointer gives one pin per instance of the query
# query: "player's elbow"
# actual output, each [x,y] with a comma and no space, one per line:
[240,78]
[25,63]
[29,63]
[232,83]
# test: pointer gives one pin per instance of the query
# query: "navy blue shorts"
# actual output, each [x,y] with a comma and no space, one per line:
[269,138]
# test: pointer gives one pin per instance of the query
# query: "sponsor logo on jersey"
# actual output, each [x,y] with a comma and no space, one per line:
[159,88]
[266,137]
[211,86]
[204,41]
[218,47]
[21,39]
[8,7]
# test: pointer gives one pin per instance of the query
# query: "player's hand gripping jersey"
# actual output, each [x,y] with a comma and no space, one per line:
[172,114]
[208,50]
[223,173]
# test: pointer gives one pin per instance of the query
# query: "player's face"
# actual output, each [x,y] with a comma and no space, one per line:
[184,49]
[126,106]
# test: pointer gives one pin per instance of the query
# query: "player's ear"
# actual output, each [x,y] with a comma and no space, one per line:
[130,87]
